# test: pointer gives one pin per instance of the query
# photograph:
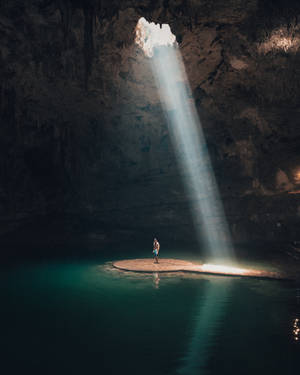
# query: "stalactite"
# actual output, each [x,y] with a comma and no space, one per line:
[66,11]
[88,41]
[92,10]
[166,4]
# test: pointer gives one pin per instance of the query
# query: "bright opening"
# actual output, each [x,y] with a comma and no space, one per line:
[150,35]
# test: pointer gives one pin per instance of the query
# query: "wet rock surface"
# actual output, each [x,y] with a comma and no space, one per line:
[83,136]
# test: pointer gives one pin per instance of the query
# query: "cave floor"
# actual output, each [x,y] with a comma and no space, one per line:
[176,265]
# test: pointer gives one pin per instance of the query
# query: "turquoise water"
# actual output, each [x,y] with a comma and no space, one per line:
[84,317]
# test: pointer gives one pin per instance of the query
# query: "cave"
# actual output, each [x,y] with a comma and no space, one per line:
[124,121]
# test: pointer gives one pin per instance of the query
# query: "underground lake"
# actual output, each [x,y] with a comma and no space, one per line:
[76,315]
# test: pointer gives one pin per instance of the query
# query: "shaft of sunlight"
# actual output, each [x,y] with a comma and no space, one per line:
[191,151]
[187,137]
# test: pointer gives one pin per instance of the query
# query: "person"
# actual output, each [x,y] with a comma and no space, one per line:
[156,247]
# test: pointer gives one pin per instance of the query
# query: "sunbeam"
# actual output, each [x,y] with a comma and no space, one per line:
[189,143]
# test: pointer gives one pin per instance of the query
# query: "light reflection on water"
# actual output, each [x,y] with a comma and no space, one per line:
[296,329]
[211,310]
[156,279]
[87,316]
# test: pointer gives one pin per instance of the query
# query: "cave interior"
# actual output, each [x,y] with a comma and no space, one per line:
[86,154]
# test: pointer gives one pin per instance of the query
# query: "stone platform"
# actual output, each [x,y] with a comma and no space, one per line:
[177,265]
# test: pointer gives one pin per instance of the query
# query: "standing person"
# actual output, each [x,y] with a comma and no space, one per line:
[156,247]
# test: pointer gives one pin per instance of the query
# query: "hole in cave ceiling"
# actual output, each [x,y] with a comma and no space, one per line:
[150,35]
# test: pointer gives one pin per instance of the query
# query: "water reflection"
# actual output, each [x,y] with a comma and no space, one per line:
[296,321]
[296,329]
[211,310]
[156,280]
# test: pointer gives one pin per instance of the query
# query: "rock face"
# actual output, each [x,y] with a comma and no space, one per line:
[82,130]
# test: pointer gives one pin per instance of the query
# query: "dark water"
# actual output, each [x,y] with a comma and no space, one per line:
[83,317]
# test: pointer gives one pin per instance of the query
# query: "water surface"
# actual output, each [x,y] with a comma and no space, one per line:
[83,317]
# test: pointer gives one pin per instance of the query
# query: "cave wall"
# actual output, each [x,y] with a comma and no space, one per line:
[83,134]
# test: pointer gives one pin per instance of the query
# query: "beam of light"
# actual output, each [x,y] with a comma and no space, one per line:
[190,146]
[211,311]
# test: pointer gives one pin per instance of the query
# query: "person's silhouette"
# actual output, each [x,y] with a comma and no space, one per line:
[156,247]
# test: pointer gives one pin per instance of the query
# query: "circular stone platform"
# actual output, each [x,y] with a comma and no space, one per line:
[177,265]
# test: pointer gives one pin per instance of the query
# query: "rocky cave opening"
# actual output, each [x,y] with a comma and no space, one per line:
[149,35]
